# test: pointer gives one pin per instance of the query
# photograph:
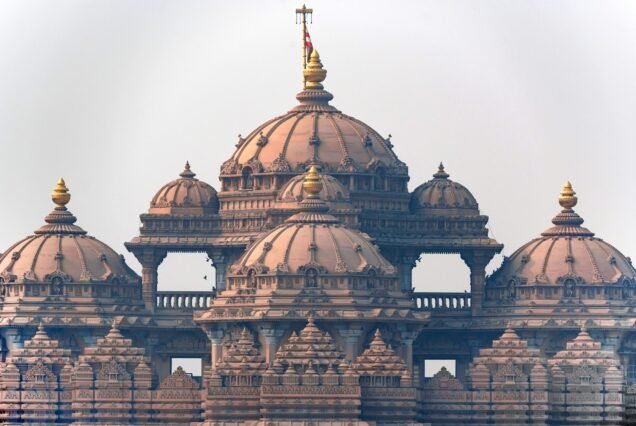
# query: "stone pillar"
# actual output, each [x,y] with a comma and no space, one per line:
[405,261]
[216,347]
[408,337]
[222,260]
[477,261]
[271,336]
[15,339]
[351,335]
[408,261]
[150,260]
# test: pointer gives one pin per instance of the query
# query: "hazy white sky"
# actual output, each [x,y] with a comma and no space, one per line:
[514,97]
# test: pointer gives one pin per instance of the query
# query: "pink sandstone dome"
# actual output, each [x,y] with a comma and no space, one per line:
[441,196]
[61,249]
[314,132]
[566,253]
[333,192]
[185,196]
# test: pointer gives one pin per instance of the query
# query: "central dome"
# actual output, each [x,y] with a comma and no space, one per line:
[314,132]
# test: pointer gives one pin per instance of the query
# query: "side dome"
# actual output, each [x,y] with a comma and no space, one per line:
[313,240]
[185,196]
[314,132]
[441,196]
[567,256]
[333,192]
[61,252]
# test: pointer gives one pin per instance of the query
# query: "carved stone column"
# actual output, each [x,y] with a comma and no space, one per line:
[271,336]
[477,261]
[15,339]
[150,260]
[408,261]
[405,261]
[407,338]
[216,344]
[351,339]
[222,260]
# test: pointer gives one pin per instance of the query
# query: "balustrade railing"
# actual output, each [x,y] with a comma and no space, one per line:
[184,300]
[442,301]
[426,301]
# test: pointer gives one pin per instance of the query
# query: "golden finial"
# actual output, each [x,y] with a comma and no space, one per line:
[60,194]
[314,73]
[568,199]
[312,184]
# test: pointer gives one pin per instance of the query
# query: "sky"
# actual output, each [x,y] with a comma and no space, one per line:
[514,97]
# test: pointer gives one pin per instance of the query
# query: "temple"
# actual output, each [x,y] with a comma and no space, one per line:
[313,235]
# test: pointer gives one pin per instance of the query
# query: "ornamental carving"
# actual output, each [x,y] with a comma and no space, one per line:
[39,373]
[179,379]
[230,167]
[280,165]
[113,371]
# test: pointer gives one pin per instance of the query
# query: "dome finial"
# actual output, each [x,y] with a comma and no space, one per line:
[312,184]
[60,194]
[314,73]
[187,173]
[441,173]
[567,198]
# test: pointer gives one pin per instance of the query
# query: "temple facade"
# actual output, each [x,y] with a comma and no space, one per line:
[313,235]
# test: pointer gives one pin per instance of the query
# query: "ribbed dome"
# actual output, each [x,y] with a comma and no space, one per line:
[314,132]
[565,253]
[185,196]
[313,239]
[443,197]
[62,249]
[333,192]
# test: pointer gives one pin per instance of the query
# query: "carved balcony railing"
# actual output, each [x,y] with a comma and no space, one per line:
[426,301]
[184,300]
[442,301]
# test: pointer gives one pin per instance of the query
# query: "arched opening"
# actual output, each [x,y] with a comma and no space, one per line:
[434,366]
[186,272]
[441,273]
[247,180]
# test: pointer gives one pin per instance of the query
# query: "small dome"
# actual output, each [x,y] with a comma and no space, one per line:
[60,249]
[313,239]
[333,192]
[314,132]
[441,196]
[566,254]
[185,196]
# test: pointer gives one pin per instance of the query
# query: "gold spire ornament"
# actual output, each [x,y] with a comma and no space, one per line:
[314,73]
[312,184]
[60,194]
[568,198]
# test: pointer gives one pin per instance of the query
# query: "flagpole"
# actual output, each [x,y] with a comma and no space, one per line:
[302,13]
